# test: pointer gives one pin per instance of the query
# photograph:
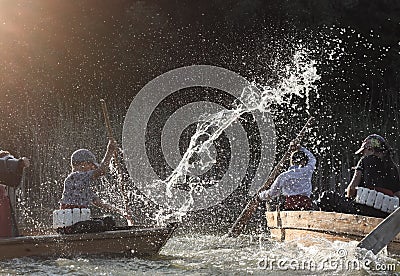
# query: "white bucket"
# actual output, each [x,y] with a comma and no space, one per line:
[385,203]
[85,214]
[359,193]
[68,217]
[371,198]
[58,218]
[394,203]
[364,196]
[379,201]
[76,215]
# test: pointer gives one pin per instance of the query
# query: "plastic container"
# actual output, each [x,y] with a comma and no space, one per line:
[364,195]
[85,214]
[68,217]
[371,198]
[394,203]
[385,203]
[359,193]
[76,215]
[58,218]
[378,201]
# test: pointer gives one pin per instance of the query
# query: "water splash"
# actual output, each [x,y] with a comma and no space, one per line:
[297,79]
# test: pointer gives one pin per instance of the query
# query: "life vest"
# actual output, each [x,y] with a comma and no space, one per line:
[67,217]
[377,200]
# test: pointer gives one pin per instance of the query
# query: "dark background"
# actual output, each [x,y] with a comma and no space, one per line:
[58,58]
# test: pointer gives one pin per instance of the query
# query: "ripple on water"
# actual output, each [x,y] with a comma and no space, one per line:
[199,254]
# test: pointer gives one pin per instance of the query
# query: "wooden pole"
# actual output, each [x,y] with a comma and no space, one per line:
[252,205]
[117,164]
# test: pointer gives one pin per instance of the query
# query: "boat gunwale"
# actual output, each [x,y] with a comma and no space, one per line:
[136,231]
[136,241]
[317,226]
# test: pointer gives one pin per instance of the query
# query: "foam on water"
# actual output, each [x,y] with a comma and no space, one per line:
[197,254]
[259,255]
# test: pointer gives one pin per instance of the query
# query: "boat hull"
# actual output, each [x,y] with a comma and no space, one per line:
[134,241]
[310,226]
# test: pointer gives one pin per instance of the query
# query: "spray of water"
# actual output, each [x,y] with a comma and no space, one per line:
[118,185]
[297,79]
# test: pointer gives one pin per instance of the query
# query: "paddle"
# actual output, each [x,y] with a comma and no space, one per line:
[252,205]
[119,171]
[382,234]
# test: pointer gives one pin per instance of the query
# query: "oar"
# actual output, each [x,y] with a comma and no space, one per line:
[252,205]
[111,136]
[383,233]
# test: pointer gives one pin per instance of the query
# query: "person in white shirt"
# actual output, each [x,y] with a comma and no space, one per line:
[295,183]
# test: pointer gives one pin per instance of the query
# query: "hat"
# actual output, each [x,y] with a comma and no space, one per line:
[374,141]
[83,155]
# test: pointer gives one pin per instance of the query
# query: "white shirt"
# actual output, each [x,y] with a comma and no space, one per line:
[295,181]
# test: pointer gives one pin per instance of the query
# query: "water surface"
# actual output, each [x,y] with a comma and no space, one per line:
[200,254]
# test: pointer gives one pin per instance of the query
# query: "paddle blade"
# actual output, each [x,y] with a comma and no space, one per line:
[244,217]
[382,234]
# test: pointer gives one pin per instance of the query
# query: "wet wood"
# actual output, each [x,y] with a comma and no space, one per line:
[132,241]
[306,225]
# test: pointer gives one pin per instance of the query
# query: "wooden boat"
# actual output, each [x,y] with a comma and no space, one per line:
[295,225]
[125,241]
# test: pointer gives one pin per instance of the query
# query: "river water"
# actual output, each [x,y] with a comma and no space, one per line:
[206,253]
[202,254]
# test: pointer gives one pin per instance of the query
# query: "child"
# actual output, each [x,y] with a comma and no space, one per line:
[78,192]
[295,183]
[7,221]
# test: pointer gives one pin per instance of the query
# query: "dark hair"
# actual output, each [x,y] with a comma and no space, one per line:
[298,156]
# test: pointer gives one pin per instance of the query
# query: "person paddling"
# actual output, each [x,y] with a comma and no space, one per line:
[295,183]
[375,169]
[376,172]
[375,186]
[78,192]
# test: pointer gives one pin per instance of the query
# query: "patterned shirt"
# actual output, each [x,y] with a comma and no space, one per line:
[77,189]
